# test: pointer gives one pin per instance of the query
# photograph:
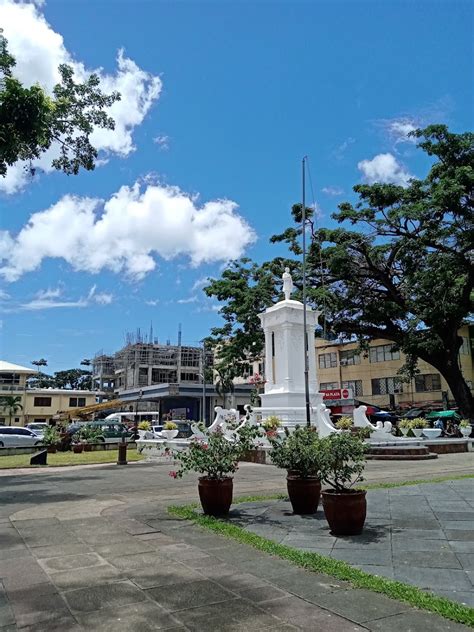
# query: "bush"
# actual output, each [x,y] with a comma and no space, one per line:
[88,434]
[418,423]
[170,425]
[51,436]
[404,423]
[299,451]
[271,423]
[215,456]
[464,423]
[344,460]
[144,425]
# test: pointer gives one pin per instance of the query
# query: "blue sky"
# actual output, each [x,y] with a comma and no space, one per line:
[221,100]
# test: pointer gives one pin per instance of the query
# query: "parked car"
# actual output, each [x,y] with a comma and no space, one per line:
[37,427]
[156,431]
[184,429]
[111,431]
[15,437]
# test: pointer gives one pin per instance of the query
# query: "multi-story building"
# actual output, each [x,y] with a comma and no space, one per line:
[373,374]
[36,404]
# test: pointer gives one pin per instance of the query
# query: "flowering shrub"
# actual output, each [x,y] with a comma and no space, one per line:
[215,456]
[170,425]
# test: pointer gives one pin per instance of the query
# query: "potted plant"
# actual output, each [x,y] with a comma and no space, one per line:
[143,428]
[300,454]
[417,426]
[404,426]
[271,425]
[216,458]
[77,445]
[465,428]
[342,467]
[170,430]
[344,423]
[89,436]
[51,438]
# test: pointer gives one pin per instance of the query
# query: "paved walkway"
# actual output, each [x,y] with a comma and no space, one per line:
[96,550]
[422,535]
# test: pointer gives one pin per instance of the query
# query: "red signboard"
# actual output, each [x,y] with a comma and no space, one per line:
[337,393]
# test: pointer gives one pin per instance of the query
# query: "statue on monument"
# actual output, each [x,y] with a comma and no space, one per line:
[287,284]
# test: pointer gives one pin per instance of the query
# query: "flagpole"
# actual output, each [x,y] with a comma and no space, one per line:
[305,336]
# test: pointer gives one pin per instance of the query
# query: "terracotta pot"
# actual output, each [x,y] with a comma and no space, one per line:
[304,493]
[215,495]
[345,511]
[51,449]
[88,447]
[78,448]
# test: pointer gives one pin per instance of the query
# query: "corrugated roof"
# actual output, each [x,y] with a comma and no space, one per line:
[14,368]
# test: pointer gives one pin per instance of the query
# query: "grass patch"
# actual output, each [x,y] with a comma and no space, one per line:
[335,568]
[421,481]
[67,458]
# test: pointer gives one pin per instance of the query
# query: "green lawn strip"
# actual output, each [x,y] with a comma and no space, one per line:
[67,458]
[329,566]
[439,479]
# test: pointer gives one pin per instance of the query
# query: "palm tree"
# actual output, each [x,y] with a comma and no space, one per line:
[11,403]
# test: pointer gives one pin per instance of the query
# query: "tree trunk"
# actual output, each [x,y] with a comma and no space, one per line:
[449,368]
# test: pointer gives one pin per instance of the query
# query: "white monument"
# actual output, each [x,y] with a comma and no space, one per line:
[284,356]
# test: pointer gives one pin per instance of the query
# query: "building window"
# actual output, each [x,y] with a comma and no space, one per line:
[386,386]
[9,378]
[328,386]
[355,385]
[347,358]
[327,360]
[189,377]
[465,348]
[143,376]
[429,382]
[42,401]
[77,402]
[383,353]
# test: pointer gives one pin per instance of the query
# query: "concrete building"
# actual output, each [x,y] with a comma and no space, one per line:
[37,404]
[374,378]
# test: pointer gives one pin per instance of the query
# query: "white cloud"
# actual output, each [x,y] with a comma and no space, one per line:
[4,296]
[200,283]
[399,129]
[339,152]
[185,301]
[162,141]
[125,232]
[332,190]
[39,50]
[47,299]
[384,168]
[152,302]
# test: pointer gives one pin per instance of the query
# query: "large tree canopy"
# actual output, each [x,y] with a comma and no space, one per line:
[399,266]
[31,120]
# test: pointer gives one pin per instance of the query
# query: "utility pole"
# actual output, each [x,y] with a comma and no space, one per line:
[305,336]
[203,403]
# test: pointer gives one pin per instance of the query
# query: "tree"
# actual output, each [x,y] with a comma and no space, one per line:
[12,404]
[73,379]
[41,380]
[402,271]
[224,382]
[31,120]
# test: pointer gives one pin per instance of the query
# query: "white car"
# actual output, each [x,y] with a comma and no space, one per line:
[14,437]
[38,428]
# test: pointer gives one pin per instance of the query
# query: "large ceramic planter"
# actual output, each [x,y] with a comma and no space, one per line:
[77,448]
[51,449]
[88,447]
[169,434]
[466,432]
[304,493]
[432,433]
[417,431]
[215,495]
[404,431]
[345,511]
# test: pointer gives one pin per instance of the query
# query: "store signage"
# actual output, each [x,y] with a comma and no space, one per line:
[338,394]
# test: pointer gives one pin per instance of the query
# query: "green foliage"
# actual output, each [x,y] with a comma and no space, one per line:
[69,379]
[145,425]
[301,451]
[345,456]
[418,423]
[89,434]
[344,423]
[216,456]
[464,423]
[51,436]
[169,425]
[12,404]
[398,267]
[30,120]
[404,423]
[272,423]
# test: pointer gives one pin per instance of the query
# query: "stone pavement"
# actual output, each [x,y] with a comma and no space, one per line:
[95,549]
[421,535]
